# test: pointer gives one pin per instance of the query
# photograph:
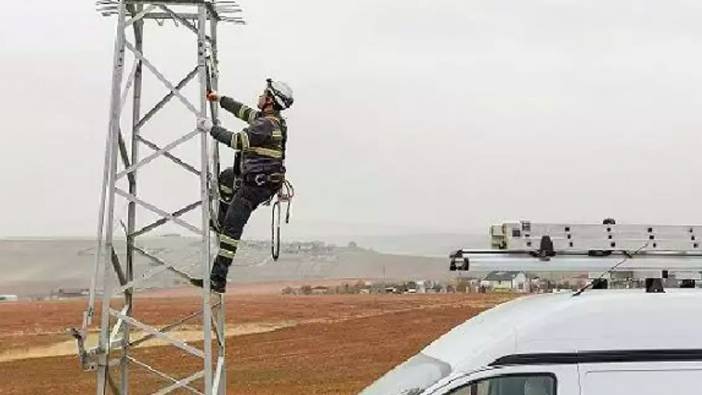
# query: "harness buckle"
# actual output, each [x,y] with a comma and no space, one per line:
[260,179]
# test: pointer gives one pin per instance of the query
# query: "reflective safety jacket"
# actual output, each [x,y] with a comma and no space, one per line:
[261,145]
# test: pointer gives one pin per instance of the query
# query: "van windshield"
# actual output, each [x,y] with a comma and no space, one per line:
[411,378]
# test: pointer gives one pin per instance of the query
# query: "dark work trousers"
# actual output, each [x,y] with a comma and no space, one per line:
[244,200]
[228,183]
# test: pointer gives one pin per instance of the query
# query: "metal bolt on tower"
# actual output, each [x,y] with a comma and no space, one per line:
[123,263]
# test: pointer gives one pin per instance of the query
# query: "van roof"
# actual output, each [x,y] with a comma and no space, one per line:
[596,320]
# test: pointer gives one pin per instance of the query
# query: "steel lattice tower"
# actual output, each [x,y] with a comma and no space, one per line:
[120,328]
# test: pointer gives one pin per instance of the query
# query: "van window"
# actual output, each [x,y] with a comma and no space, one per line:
[512,384]
[643,382]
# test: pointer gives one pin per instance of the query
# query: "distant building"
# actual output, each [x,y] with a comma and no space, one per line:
[539,285]
[506,281]
[320,290]
[62,293]
[8,298]
[467,285]
[312,247]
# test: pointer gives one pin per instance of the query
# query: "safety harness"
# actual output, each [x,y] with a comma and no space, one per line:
[262,177]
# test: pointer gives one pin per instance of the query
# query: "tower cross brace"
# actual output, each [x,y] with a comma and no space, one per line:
[118,276]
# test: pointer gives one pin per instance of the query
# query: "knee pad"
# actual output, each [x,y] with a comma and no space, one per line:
[227,176]
[226,181]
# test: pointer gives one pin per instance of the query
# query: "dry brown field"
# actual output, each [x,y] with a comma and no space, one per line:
[326,344]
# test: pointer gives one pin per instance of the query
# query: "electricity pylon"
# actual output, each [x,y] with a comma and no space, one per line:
[121,329]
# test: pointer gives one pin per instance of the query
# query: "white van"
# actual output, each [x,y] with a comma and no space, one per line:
[601,342]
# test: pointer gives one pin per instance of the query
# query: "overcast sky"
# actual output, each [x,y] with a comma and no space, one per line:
[410,116]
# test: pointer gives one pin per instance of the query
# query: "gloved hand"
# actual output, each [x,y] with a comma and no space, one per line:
[204,124]
[213,96]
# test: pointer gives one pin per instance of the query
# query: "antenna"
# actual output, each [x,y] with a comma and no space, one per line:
[124,276]
[598,281]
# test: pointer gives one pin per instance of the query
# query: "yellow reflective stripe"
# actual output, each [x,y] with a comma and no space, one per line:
[241,114]
[244,141]
[239,139]
[266,152]
[252,116]
[226,254]
[277,133]
[228,240]
[225,189]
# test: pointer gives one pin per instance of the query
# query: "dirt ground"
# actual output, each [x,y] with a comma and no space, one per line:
[276,344]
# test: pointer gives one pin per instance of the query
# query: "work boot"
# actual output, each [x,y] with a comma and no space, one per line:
[218,277]
[216,285]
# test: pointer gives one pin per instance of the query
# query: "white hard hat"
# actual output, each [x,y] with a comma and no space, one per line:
[281,92]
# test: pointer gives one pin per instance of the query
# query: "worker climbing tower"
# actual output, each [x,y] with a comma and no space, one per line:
[125,265]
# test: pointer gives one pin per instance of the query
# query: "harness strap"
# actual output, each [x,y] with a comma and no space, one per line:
[269,152]
[284,195]
[261,179]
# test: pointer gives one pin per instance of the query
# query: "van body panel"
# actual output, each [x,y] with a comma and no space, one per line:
[596,323]
[649,378]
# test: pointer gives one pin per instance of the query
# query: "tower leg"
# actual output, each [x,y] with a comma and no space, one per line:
[204,190]
[114,125]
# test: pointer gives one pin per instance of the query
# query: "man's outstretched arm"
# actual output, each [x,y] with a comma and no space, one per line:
[237,141]
[240,110]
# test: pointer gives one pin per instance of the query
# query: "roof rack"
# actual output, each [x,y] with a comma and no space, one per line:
[652,251]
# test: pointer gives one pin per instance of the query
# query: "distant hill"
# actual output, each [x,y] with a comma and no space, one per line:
[433,244]
[36,267]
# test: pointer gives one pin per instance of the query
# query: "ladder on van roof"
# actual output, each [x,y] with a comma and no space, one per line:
[652,251]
